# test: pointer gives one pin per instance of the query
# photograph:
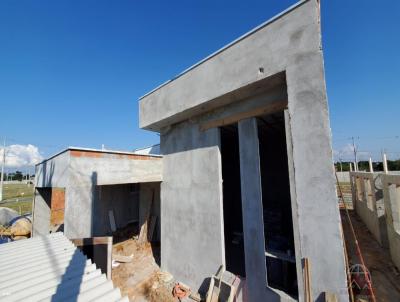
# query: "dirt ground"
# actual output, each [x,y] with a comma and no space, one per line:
[385,276]
[141,279]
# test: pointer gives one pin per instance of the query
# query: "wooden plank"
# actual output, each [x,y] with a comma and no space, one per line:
[143,235]
[112,220]
[234,118]
[280,256]
[122,258]
[109,257]
[307,280]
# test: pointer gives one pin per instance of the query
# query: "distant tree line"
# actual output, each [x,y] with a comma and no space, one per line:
[17,175]
[393,165]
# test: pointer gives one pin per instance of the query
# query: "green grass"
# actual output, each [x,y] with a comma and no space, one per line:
[12,192]
[17,190]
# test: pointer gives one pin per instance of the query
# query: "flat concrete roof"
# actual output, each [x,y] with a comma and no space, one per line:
[269,21]
[91,150]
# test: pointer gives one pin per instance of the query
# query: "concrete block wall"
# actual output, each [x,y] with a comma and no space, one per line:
[391,193]
[368,203]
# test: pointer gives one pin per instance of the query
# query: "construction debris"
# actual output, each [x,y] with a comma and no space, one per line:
[18,228]
[122,258]
[180,291]
[141,278]
[21,227]
[220,289]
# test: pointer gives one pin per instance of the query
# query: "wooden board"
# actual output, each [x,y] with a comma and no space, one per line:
[143,235]
[307,280]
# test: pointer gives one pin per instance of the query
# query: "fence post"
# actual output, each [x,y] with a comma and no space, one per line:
[385,166]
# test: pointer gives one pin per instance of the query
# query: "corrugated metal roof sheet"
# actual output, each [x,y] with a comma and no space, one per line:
[51,268]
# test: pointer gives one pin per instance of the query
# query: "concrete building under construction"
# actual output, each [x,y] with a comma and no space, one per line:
[247,164]
[88,192]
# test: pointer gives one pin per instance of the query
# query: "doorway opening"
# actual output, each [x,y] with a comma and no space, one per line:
[277,209]
[232,201]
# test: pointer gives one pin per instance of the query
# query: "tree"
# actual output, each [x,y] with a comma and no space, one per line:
[18,175]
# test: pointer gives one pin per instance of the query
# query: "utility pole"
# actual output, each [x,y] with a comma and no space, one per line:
[355,155]
[2,170]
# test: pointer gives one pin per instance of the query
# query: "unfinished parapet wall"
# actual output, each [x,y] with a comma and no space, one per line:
[276,68]
[368,203]
[391,192]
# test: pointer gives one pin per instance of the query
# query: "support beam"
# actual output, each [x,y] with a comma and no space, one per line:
[253,223]
[234,118]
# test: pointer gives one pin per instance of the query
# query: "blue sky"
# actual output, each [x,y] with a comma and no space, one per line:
[71,72]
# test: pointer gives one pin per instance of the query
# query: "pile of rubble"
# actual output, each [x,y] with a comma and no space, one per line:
[13,226]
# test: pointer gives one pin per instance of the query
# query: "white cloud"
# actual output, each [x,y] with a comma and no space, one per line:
[21,155]
[347,153]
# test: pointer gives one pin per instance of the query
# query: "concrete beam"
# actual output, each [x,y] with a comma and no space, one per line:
[252,208]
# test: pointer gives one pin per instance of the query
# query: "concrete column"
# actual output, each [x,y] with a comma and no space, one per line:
[253,222]
[351,167]
[385,167]
[293,197]
[371,168]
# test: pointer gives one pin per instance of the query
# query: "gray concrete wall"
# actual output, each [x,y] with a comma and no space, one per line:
[122,200]
[287,41]
[117,169]
[53,172]
[343,176]
[41,212]
[391,192]
[192,242]
[80,172]
[368,203]
[88,172]
[290,43]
